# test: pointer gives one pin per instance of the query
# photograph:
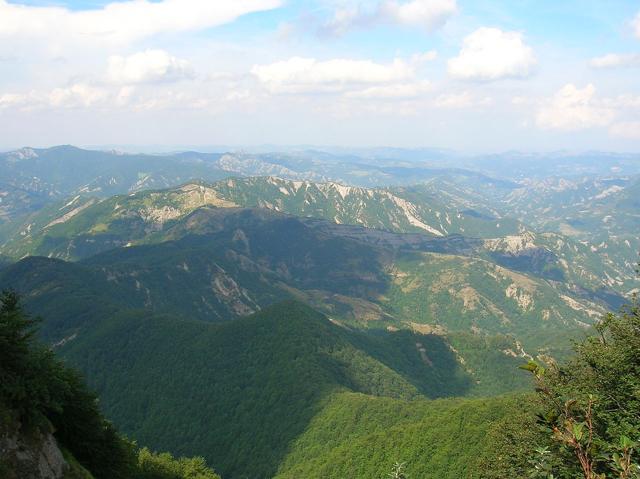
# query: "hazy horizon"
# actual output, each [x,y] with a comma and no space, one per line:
[292,148]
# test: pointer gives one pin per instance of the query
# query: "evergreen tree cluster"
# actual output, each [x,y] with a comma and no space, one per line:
[39,393]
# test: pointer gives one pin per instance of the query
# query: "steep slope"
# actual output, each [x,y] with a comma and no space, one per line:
[30,178]
[600,213]
[405,210]
[468,294]
[239,393]
[218,264]
[50,423]
[83,227]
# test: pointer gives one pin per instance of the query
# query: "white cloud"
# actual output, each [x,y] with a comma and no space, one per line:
[77,95]
[491,54]
[626,101]
[616,60]
[123,21]
[427,14]
[573,109]
[298,75]
[392,92]
[10,100]
[636,25]
[149,66]
[629,130]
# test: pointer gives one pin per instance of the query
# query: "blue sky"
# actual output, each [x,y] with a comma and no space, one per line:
[466,75]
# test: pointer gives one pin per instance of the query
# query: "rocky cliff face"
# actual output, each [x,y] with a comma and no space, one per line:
[35,457]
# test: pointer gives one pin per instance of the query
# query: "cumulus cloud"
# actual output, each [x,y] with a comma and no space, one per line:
[629,130]
[298,75]
[149,66]
[616,60]
[427,14]
[123,21]
[12,100]
[572,109]
[491,54]
[77,95]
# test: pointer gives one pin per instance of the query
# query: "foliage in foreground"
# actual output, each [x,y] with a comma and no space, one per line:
[39,393]
[164,466]
[592,404]
[585,420]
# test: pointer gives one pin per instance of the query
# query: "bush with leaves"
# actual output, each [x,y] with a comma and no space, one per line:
[592,404]
[165,466]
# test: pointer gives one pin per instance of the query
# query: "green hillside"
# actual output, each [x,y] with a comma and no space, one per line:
[82,226]
[217,264]
[361,436]
[243,393]
[403,210]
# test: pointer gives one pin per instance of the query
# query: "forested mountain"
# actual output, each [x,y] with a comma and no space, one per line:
[221,263]
[240,393]
[314,321]
[30,178]
[586,200]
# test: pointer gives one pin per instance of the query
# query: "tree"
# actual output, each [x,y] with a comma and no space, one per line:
[591,406]
[44,394]
[23,387]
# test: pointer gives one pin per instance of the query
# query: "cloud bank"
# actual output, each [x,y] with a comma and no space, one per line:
[149,66]
[492,54]
[573,109]
[122,22]
[300,75]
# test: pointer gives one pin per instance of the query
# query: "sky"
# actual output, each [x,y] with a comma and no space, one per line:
[467,75]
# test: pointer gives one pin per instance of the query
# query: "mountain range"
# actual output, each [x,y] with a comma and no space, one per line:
[284,315]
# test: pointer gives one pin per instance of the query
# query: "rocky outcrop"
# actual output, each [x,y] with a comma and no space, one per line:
[30,457]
